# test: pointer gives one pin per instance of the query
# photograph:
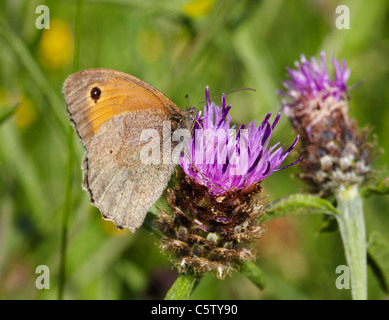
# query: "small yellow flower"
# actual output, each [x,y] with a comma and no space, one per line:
[56,45]
[25,113]
[198,8]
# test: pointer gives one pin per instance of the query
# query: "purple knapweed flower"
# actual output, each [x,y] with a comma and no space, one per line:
[312,79]
[310,85]
[317,105]
[225,159]
[216,202]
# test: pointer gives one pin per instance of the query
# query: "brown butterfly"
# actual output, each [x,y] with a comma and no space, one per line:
[109,110]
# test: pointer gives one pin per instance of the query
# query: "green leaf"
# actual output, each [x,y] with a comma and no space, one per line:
[378,258]
[254,273]
[382,188]
[298,204]
[182,288]
[6,112]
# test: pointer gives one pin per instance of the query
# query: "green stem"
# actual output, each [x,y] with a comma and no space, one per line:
[6,112]
[352,229]
[182,288]
[65,215]
[69,168]
[252,272]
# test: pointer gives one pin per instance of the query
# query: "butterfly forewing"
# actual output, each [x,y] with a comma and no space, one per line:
[109,110]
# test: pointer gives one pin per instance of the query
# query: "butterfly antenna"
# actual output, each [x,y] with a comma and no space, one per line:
[201,102]
[223,94]
[205,134]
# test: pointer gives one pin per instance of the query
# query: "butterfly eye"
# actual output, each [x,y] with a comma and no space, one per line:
[95,94]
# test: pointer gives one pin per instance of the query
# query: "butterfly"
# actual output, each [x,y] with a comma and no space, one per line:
[109,110]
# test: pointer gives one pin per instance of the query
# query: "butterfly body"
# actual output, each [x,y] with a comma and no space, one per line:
[109,111]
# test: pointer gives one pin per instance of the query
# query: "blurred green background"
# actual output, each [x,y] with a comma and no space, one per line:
[179,46]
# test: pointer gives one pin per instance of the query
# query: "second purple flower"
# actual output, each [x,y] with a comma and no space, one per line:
[317,104]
